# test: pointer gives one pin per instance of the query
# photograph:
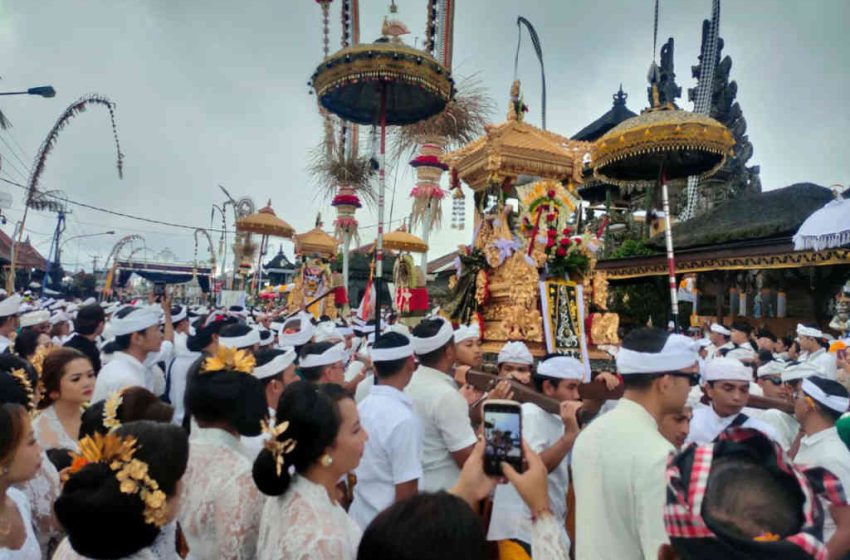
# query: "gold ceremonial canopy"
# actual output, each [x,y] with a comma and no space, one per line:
[400,240]
[515,148]
[265,222]
[316,241]
[683,143]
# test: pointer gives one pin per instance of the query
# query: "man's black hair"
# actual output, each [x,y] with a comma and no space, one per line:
[427,329]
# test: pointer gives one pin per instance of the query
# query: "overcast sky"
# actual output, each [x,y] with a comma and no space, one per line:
[215,92]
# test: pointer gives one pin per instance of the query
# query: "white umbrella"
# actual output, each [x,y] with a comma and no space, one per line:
[825,228]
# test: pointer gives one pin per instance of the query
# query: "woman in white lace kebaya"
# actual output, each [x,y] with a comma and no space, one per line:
[20,459]
[68,379]
[317,440]
[221,504]
[122,491]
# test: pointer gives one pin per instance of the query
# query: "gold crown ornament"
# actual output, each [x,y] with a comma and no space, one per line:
[131,473]
[230,359]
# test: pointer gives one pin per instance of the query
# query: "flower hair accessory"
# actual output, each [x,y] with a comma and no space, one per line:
[132,474]
[20,375]
[230,359]
[110,411]
[278,448]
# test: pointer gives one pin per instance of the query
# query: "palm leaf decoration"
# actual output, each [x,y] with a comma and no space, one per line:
[461,122]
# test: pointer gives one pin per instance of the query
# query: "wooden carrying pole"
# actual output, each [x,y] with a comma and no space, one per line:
[593,391]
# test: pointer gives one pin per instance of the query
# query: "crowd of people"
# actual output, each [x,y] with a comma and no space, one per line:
[144,430]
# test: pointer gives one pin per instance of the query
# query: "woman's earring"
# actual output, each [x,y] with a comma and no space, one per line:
[327,460]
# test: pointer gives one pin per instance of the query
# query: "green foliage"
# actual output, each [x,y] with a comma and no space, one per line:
[631,248]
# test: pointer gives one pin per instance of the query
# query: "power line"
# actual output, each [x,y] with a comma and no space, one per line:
[112,212]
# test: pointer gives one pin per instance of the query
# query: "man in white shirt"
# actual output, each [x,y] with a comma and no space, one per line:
[719,337]
[619,460]
[742,348]
[275,369]
[448,438]
[137,335]
[516,362]
[813,351]
[818,406]
[769,378]
[550,435]
[728,387]
[9,308]
[391,465]
[323,362]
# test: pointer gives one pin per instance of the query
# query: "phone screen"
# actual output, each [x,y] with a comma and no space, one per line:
[503,437]
[159,289]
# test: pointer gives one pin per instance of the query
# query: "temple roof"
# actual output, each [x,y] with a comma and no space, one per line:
[279,261]
[27,255]
[617,114]
[776,213]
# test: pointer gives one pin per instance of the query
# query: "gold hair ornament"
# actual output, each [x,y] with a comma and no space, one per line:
[110,411]
[230,359]
[20,375]
[132,474]
[278,448]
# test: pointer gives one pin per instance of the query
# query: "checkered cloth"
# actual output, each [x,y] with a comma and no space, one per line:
[687,480]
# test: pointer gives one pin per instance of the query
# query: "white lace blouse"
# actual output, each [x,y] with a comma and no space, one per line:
[304,524]
[66,552]
[549,540]
[30,549]
[41,491]
[51,434]
[221,505]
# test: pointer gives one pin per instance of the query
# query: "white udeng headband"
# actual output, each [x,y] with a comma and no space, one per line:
[275,366]
[391,354]
[465,332]
[561,367]
[678,353]
[250,338]
[426,345]
[808,331]
[834,402]
[330,356]
[135,321]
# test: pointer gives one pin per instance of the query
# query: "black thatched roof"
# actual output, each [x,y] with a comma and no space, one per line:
[618,113]
[770,214]
[279,262]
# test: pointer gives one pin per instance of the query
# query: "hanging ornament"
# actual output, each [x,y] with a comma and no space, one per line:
[427,194]
[458,203]
[346,203]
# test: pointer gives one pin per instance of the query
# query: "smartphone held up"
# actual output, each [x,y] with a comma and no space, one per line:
[502,435]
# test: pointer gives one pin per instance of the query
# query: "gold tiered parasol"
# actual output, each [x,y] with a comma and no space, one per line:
[682,143]
[401,240]
[383,83]
[265,222]
[316,241]
[662,143]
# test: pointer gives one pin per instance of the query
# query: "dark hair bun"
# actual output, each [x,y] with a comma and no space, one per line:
[101,521]
[234,397]
[266,477]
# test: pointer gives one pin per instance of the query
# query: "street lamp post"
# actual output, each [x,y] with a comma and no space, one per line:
[59,252]
[41,91]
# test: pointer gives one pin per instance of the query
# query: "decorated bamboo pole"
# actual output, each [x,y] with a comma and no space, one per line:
[39,200]
[671,260]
